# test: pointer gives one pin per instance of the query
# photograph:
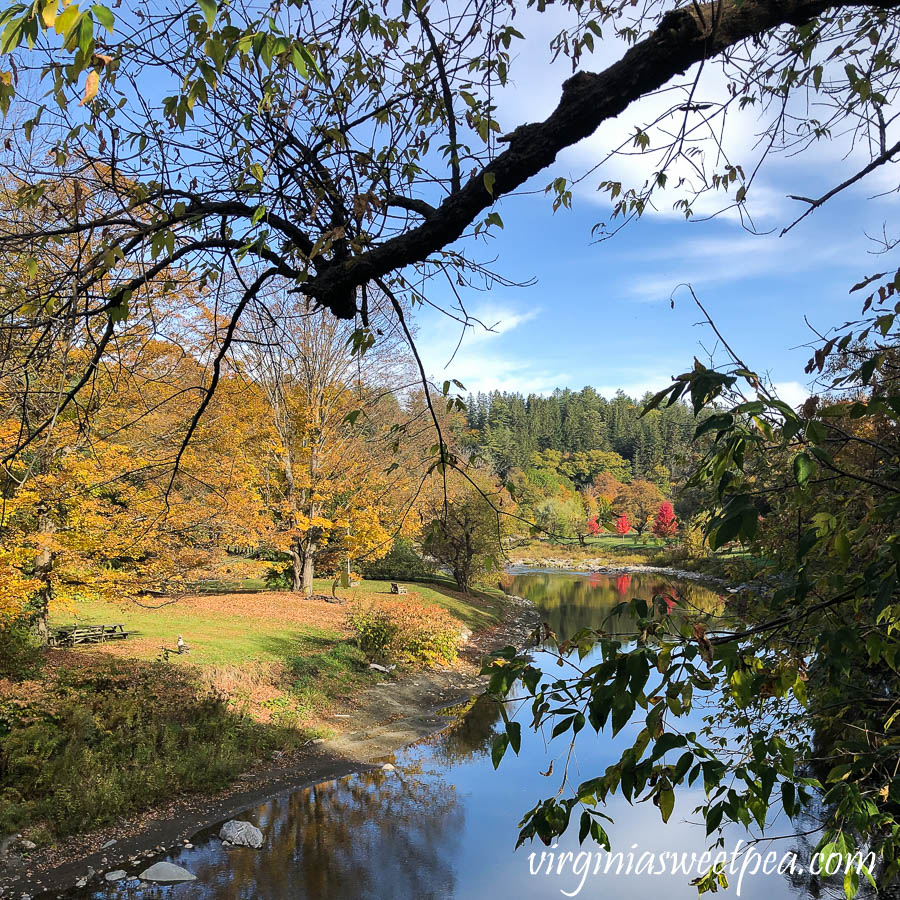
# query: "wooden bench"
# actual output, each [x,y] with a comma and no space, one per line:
[72,635]
[397,588]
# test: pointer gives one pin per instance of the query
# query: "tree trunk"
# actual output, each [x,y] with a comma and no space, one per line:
[296,568]
[43,619]
[43,567]
[307,575]
[302,567]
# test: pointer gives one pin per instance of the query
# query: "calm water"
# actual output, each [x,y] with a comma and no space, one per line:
[444,824]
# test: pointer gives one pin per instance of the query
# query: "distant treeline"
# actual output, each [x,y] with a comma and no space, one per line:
[509,428]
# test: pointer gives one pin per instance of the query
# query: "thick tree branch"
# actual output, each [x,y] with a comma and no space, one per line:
[684,37]
[421,207]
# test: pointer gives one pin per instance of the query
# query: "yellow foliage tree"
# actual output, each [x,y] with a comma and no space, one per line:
[338,483]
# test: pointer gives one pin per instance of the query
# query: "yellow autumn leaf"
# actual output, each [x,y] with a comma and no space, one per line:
[90,87]
[48,13]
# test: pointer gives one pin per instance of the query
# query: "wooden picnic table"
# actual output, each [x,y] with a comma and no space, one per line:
[70,635]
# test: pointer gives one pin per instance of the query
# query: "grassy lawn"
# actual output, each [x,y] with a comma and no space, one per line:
[281,657]
[102,731]
[230,628]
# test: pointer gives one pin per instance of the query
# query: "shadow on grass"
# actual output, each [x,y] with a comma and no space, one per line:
[322,668]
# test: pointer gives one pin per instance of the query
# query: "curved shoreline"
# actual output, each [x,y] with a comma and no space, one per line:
[386,718]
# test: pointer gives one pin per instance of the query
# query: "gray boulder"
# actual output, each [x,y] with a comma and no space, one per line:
[116,875]
[166,873]
[242,834]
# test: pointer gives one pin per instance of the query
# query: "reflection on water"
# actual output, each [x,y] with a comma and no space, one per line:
[569,602]
[444,824]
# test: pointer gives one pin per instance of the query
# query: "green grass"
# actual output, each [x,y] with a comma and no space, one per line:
[230,639]
[110,735]
[107,740]
[292,671]
[219,639]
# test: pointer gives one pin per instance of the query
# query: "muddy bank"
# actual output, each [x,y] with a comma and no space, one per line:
[374,723]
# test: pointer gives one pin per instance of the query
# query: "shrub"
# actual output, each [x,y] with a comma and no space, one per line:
[403,563]
[107,739]
[20,654]
[405,631]
[279,577]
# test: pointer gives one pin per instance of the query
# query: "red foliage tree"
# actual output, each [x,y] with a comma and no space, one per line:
[665,525]
[623,526]
[594,527]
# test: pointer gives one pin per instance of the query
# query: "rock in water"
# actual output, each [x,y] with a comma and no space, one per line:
[241,833]
[165,873]
[116,875]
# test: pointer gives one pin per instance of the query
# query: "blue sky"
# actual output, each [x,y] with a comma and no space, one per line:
[599,314]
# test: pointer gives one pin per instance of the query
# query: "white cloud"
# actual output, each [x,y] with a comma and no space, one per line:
[486,360]
[791,392]
[495,320]
[498,372]
[705,262]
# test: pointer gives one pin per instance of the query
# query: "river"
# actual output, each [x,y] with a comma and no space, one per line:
[443,824]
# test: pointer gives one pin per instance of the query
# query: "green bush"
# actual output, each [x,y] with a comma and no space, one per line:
[20,653]
[405,631]
[374,629]
[403,563]
[279,577]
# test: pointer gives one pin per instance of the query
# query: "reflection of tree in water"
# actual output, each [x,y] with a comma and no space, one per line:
[572,602]
[471,736]
[373,834]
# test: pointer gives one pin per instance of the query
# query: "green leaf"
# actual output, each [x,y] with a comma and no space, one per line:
[498,748]
[787,798]
[104,17]
[666,802]
[209,8]
[66,19]
[714,818]
[489,179]
[514,732]
[803,468]
[842,546]
[584,827]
